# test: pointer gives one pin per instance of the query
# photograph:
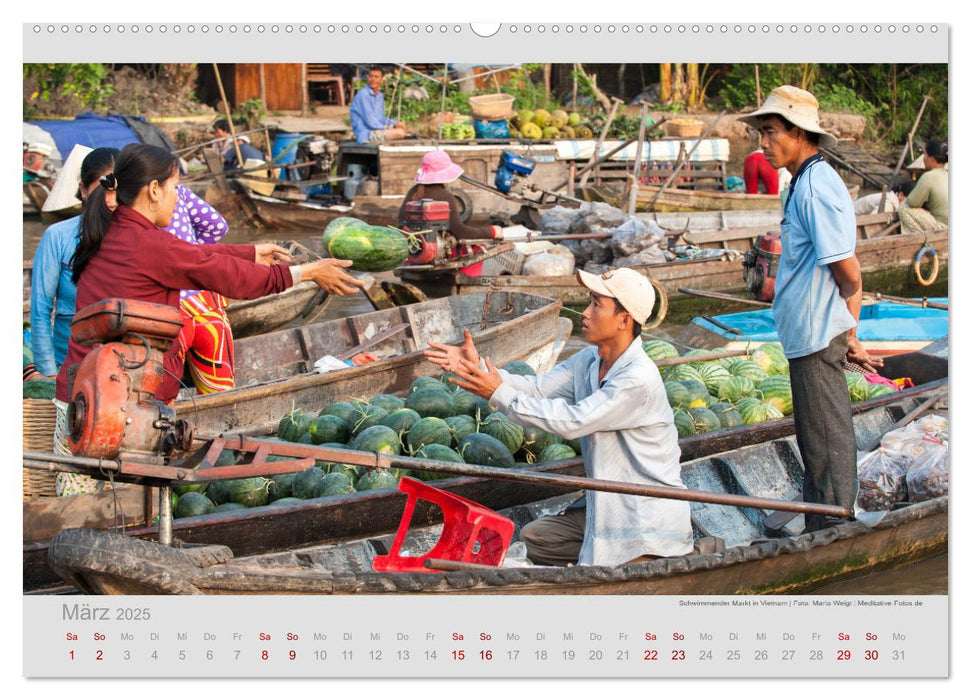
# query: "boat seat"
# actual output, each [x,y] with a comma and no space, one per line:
[471,533]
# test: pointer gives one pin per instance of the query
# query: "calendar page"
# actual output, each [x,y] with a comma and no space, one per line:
[517,350]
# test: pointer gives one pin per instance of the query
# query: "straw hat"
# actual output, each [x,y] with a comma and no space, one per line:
[437,168]
[797,106]
[632,289]
[64,192]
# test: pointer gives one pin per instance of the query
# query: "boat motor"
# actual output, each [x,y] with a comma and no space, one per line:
[37,160]
[113,411]
[761,265]
[431,218]
[513,170]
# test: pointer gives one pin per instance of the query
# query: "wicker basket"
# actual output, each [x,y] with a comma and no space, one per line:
[39,419]
[492,107]
[684,128]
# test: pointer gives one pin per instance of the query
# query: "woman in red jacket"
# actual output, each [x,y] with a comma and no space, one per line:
[127,254]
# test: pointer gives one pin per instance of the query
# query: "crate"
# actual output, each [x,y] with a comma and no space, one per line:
[684,128]
[508,263]
[39,419]
[492,107]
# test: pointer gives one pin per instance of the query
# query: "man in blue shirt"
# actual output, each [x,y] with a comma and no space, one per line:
[818,293]
[367,113]
[228,151]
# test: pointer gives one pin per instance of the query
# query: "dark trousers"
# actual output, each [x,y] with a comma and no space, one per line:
[824,428]
[555,540]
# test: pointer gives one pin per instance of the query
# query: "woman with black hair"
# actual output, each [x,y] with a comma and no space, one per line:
[930,192]
[126,254]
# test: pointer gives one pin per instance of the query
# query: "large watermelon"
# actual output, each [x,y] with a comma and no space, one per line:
[377,438]
[479,448]
[251,492]
[370,248]
[192,503]
[334,484]
[556,453]
[678,396]
[439,453]
[704,420]
[401,420]
[365,416]
[683,423]
[713,374]
[431,401]
[659,350]
[338,225]
[281,486]
[377,479]
[736,388]
[682,373]
[748,368]
[426,382]
[698,395]
[535,441]
[771,358]
[858,386]
[218,491]
[504,430]
[520,368]
[728,416]
[389,402]
[777,392]
[753,410]
[294,425]
[461,426]
[469,404]
[305,482]
[328,428]
[428,431]
[341,409]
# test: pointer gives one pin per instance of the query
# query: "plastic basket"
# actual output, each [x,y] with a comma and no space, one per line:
[508,263]
[492,107]
[684,128]
[39,419]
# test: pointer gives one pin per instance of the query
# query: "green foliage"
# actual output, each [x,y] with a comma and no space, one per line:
[249,114]
[85,81]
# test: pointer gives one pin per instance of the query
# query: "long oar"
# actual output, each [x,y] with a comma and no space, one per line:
[723,296]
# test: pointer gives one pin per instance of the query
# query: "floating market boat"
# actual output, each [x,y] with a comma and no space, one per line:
[329,521]
[886,328]
[745,556]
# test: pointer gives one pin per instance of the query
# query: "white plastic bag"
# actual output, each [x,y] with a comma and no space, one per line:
[548,265]
[927,476]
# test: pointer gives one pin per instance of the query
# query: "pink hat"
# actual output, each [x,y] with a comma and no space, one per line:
[437,168]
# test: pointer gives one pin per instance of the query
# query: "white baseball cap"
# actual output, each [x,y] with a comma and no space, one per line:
[632,289]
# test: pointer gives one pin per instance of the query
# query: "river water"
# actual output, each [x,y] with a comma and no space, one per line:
[923,578]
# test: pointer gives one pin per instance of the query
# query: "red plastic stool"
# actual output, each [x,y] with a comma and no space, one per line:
[465,524]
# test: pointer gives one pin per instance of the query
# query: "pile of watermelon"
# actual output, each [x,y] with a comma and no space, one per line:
[734,391]
[436,420]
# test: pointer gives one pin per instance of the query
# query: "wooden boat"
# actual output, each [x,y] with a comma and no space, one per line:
[876,254]
[327,521]
[673,199]
[752,559]
[886,328]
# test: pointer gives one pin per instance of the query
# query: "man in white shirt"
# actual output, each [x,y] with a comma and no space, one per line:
[611,396]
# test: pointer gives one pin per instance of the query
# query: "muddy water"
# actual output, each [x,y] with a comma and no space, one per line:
[924,578]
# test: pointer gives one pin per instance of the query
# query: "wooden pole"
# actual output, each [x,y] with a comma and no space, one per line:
[723,297]
[600,140]
[263,85]
[575,86]
[686,159]
[547,79]
[758,88]
[441,115]
[632,202]
[910,136]
[229,116]
[305,93]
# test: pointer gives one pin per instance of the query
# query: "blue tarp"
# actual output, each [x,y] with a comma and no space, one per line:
[97,131]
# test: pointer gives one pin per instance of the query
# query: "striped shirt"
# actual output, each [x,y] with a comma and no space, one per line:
[627,433]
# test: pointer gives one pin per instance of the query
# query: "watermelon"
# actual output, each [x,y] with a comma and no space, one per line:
[182,489]
[704,420]
[334,484]
[771,358]
[576,444]
[698,395]
[305,482]
[192,503]
[461,426]
[520,368]
[377,479]
[678,396]
[754,411]
[728,416]
[556,453]
[439,453]
[426,382]
[446,380]
[365,416]
[251,492]
[660,350]
[857,385]
[875,390]
[401,420]
[389,402]
[479,448]
[377,438]
[39,389]
[535,441]
[683,423]
[369,248]
[339,225]
[504,430]
[776,391]
[682,373]
[223,507]
[748,368]
[305,439]
[469,404]
[431,401]
[352,471]
[700,353]
[293,425]
[735,389]
[218,491]
[328,428]
[341,409]
[429,431]
[288,501]
[281,486]
[713,374]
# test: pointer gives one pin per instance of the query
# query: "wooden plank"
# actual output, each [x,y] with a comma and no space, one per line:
[45,517]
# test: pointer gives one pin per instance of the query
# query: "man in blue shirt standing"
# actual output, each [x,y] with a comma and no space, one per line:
[818,293]
[367,113]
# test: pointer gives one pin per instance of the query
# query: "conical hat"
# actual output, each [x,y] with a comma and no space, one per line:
[64,193]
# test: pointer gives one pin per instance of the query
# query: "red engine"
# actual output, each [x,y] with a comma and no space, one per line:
[761,265]
[430,217]
[113,410]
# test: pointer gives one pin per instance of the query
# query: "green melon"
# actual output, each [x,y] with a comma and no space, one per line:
[446,380]
[281,486]
[535,441]
[338,225]
[698,396]
[461,426]
[251,492]
[728,417]
[366,416]
[520,368]
[876,390]
[293,425]
[753,410]
[218,491]
[504,430]
[857,385]
[370,248]
[192,503]
[556,453]
[479,448]
[429,431]
[431,402]
[683,423]
[224,507]
[776,391]
[771,358]
[283,502]
[678,396]
[401,420]
[341,409]
[375,480]
[334,484]
[713,375]
[469,404]
[328,428]
[682,373]
[735,389]
[575,444]
[748,368]
[705,420]
[182,489]
[660,350]
[377,438]
[305,482]
[389,402]
[425,383]
[439,453]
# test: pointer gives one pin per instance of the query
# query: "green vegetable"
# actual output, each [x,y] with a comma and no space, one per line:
[370,248]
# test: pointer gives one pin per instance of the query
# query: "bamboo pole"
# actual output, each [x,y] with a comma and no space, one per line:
[632,202]
[600,140]
[910,136]
[229,116]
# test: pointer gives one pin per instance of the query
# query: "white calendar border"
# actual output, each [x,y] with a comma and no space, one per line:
[721,12]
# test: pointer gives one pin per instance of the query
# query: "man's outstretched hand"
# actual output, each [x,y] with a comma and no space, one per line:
[482,382]
[449,357]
